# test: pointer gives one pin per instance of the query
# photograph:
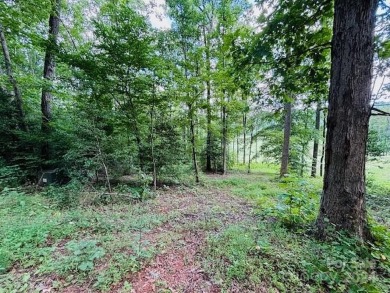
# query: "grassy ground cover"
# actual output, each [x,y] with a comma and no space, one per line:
[236,233]
[278,253]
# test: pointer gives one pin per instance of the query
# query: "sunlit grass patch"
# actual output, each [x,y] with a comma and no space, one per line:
[378,172]
[280,252]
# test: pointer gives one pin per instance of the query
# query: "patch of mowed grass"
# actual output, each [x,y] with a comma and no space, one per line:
[378,189]
[293,198]
[290,199]
[262,181]
[264,168]
[378,175]
[79,244]
[281,251]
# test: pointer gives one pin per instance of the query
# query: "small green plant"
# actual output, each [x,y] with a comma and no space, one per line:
[82,256]
[119,265]
[5,261]
[9,283]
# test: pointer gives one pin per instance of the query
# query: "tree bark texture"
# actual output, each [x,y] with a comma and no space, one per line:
[286,139]
[343,200]
[12,80]
[48,73]
[315,146]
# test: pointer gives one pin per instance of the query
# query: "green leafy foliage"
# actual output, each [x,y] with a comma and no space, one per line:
[298,205]
[82,256]
[10,176]
[119,265]
[65,196]
[5,261]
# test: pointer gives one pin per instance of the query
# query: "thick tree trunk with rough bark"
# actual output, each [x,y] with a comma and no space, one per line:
[286,139]
[15,87]
[343,200]
[48,74]
[315,146]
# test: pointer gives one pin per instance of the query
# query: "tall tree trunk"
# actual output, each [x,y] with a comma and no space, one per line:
[257,149]
[244,142]
[152,146]
[193,146]
[304,145]
[48,75]
[343,200]
[323,145]
[224,140]
[208,95]
[250,150]
[208,143]
[286,139]
[234,151]
[104,165]
[238,148]
[315,146]
[12,80]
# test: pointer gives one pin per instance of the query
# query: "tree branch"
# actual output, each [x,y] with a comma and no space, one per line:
[380,112]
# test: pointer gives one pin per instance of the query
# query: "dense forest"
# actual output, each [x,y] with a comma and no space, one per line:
[246,142]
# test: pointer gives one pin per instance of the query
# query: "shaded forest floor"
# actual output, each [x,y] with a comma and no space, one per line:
[236,233]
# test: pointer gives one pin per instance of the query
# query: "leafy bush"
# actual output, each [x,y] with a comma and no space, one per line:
[298,205]
[10,176]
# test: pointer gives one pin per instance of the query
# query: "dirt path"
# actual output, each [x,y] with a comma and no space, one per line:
[198,213]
